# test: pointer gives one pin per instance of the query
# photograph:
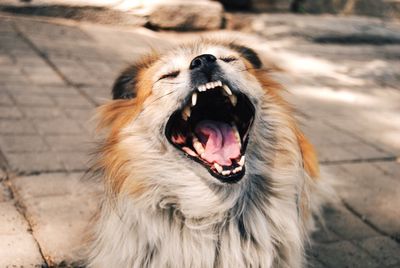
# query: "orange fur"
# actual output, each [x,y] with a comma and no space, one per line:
[310,160]
[114,116]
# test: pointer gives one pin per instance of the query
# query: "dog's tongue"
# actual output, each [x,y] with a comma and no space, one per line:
[219,142]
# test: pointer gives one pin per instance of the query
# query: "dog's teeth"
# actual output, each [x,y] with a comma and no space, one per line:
[209,86]
[236,170]
[219,83]
[202,88]
[189,151]
[241,161]
[198,146]
[218,167]
[186,113]
[227,90]
[194,99]
[233,100]
[226,172]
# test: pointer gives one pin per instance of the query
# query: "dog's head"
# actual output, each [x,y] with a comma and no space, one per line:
[198,114]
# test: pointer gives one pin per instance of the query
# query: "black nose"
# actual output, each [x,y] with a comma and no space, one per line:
[202,61]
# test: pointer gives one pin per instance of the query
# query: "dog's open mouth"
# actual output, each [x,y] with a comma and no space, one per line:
[212,128]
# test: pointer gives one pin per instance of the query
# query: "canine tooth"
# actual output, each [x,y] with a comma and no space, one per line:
[227,89]
[241,161]
[226,172]
[233,100]
[198,146]
[236,132]
[194,99]
[186,113]
[202,88]
[218,167]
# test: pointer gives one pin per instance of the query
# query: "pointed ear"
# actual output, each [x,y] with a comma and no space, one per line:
[249,54]
[125,85]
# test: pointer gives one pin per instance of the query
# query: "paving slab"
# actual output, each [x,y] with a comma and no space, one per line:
[382,248]
[34,162]
[18,246]
[59,207]
[22,143]
[346,225]
[344,254]
[375,198]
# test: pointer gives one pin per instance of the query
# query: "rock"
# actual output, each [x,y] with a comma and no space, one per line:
[186,15]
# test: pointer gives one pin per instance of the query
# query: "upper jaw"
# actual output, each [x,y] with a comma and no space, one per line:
[229,112]
[226,90]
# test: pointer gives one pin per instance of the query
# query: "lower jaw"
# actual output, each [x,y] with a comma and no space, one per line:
[229,179]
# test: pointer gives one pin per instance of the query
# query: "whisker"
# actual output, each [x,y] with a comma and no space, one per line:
[145,107]
[157,99]
[172,83]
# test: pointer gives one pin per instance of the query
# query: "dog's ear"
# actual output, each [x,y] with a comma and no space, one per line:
[125,85]
[249,54]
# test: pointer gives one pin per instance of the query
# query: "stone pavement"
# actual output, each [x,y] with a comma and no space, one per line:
[341,74]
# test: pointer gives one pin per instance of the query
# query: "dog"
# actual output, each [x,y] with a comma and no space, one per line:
[204,165]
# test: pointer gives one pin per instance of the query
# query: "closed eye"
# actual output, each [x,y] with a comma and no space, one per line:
[228,59]
[170,75]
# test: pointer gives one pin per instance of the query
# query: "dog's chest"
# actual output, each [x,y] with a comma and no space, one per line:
[169,242]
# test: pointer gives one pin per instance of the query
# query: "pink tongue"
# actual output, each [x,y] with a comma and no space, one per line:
[219,142]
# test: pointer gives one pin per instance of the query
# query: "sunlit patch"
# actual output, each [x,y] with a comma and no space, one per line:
[331,95]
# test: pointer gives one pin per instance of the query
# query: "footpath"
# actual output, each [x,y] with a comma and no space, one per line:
[342,75]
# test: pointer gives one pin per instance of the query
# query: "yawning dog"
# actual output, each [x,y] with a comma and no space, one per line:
[204,165]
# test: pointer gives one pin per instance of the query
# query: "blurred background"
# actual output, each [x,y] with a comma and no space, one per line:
[340,63]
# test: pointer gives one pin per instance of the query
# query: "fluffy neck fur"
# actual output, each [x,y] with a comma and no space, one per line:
[256,232]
